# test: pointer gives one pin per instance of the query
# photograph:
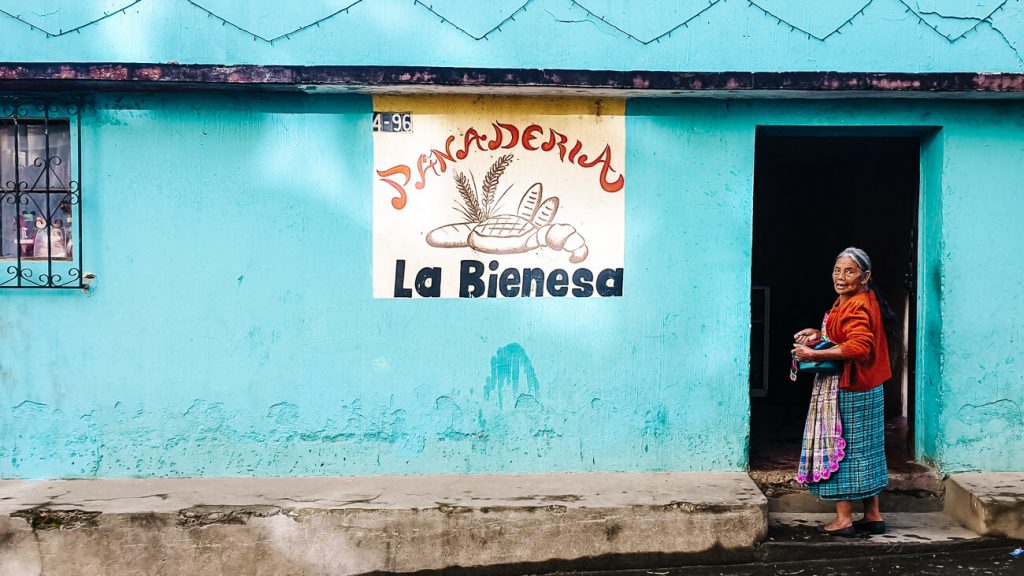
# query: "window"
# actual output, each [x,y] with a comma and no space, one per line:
[40,196]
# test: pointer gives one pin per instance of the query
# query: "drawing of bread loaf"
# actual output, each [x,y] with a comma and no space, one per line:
[528,229]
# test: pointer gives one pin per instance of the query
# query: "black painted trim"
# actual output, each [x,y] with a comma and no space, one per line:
[115,76]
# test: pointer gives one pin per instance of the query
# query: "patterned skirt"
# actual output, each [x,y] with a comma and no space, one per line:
[863,471]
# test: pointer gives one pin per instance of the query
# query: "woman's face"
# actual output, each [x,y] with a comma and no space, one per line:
[848,278]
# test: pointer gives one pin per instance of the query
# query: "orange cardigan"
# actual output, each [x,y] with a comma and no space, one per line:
[856,327]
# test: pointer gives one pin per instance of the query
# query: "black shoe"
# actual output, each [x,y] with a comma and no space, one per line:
[848,532]
[869,526]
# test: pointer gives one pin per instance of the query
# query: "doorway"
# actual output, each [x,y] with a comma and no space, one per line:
[814,196]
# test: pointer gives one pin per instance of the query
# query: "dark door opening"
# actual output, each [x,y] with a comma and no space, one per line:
[814,196]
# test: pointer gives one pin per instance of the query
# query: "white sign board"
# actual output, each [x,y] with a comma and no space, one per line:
[485,197]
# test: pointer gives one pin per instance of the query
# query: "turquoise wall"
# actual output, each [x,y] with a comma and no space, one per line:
[231,329]
[981,388]
[692,35]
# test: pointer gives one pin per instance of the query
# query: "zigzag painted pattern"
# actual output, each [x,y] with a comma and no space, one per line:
[576,5]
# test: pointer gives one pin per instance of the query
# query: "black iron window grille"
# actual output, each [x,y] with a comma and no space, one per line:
[40,194]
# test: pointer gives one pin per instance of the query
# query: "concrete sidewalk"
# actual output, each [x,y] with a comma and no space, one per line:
[990,503]
[504,524]
[279,526]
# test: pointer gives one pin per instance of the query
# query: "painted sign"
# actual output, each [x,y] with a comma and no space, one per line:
[498,198]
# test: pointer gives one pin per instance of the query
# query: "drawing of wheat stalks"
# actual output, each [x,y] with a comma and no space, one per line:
[469,208]
[479,204]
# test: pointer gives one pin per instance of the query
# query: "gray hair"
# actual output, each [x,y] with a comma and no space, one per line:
[857,255]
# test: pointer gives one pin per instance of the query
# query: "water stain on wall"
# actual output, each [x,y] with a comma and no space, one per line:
[508,366]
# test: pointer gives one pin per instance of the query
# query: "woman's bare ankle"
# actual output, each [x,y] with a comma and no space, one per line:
[839,523]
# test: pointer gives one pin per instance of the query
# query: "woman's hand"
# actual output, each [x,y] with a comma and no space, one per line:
[807,335]
[803,353]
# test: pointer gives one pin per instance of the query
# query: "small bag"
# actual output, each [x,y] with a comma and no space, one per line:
[821,366]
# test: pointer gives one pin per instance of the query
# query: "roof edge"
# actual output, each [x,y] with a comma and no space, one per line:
[388,79]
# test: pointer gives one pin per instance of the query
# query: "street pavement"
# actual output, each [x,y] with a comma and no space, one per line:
[915,544]
[985,562]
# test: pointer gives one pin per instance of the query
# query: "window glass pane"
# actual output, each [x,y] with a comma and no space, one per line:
[6,155]
[38,222]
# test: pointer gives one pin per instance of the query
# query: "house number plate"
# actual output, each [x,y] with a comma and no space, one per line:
[392,122]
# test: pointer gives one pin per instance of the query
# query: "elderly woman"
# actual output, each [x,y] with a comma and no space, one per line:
[843,454]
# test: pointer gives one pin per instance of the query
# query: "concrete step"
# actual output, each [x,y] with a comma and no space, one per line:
[990,503]
[793,536]
[318,526]
[913,488]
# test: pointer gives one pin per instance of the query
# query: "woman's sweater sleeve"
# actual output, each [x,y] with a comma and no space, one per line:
[859,338]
